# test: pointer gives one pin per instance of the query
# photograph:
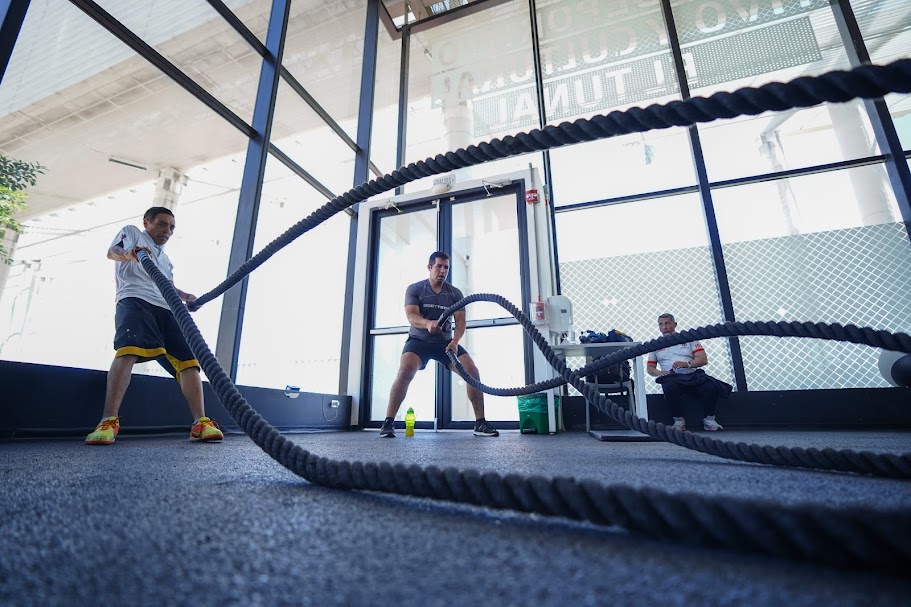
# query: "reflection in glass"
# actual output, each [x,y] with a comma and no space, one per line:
[324,52]
[884,25]
[726,47]
[471,80]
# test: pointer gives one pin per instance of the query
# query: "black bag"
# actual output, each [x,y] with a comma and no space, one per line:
[615,374]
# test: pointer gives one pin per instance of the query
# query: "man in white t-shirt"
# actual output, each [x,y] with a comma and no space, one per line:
[146,328]
[677,370]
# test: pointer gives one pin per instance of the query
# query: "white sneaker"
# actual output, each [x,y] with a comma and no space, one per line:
[679,424]
[710,424]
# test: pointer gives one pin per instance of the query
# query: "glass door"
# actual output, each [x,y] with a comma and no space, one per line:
[403,242]
[480,229]
[486,254]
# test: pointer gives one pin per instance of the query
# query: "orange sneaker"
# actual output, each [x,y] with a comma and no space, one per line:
[105,432]
[206,429]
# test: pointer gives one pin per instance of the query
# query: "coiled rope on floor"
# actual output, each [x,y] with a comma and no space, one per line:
[863,462]
[866,82]
[850,538]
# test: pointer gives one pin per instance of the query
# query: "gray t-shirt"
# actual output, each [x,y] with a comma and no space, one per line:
[132,279]
[431,305]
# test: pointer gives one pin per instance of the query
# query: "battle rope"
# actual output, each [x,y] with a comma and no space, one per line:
[851,538]
[866,81]
[864,462]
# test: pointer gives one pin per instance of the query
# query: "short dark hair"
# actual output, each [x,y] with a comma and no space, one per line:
[437,255]
[151,213]
[667,315]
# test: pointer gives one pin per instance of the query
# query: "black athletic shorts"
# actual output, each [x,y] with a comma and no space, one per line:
[431,349]
[150,332]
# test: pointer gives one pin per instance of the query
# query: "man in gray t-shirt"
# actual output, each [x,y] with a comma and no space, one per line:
[425,302]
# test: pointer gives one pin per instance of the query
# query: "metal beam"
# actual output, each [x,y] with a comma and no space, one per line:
[361,169]
[232,312]
[705,190]
[12,15]
[239,26]
[542,122]
[403,101]
[301,172]
[105,20]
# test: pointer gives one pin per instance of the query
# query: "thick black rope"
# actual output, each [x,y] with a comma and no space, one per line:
[863,462]
[866,82]
[850,538]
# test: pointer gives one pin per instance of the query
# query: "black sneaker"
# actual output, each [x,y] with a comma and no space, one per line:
[484,429]
[388,429]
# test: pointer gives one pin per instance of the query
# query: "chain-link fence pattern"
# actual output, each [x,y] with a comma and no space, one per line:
[858,275]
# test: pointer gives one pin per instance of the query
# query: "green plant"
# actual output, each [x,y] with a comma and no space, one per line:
[15,177]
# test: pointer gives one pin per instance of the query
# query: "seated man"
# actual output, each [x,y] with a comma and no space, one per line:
[679,375]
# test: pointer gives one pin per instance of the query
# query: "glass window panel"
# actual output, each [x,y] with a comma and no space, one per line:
[599,57]
[485,241]
[103,155]
[498,353]
[384,139]
[802,205]
[301,134]
[641,162]
[886,29]
[623,265]
[195,38]
[324,52]
[253,13]
[295,302]
[727,46]
[406,241]
[846,259]
[774,142]
[470,80]
[387,352]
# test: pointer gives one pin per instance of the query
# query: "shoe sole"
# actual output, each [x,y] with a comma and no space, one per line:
[99,442]
[211,439]
[482,434]
[387,435]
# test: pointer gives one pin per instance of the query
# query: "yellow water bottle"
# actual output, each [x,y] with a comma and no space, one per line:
[409,422]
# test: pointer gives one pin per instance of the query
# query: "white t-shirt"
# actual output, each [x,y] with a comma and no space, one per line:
[132,279]
[666,357]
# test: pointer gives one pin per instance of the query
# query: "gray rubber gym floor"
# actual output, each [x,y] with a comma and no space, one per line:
[163,521]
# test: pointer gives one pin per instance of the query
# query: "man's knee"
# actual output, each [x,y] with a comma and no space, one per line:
[409,366]
[469,366]
[189,373]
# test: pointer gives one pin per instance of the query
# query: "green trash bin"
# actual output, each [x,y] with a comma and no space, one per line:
[533,413]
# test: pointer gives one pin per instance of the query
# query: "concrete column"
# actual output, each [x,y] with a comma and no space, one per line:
[458,123]
[168,186]
[868,182]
